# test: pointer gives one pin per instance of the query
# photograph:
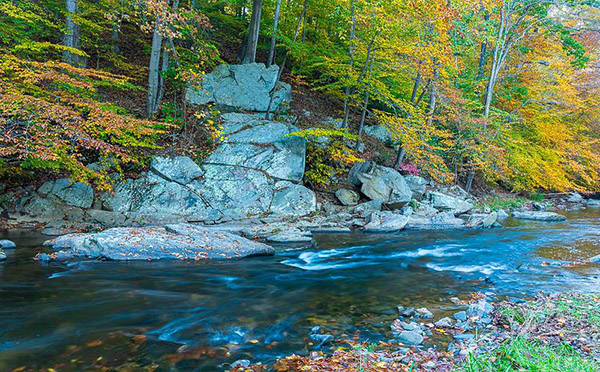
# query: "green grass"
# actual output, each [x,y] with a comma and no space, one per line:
[496,204]
[519,354]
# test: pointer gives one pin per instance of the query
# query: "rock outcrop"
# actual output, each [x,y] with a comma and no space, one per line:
[538,216]
[246,87]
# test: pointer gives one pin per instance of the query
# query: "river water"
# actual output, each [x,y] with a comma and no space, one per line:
[201,316]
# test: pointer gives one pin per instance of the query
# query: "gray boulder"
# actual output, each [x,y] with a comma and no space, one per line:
[7,244]
[417,184]
[386,184]
[410,337]
[76,194]
[356,170]
[365,209]
[244,87]
[180,241]
[502,214]
[593,203]
[347,197]
[482,220]
[538,216]
[291,199]
[575,197]
[180,169]
[450,203]
[383,222]
[379,132]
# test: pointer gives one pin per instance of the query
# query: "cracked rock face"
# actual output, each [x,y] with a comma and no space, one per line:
[244,87]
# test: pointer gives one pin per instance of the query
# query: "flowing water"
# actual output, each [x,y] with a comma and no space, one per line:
[201,316]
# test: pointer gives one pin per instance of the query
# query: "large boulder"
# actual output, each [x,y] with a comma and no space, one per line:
[291,199]
[379,132]
[482,220]
[76,194]
[538,216]
[386,221]
[447,202]
[244,87]
[178,241]
[386,184]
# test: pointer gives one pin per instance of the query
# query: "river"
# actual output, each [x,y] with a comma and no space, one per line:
[200,316]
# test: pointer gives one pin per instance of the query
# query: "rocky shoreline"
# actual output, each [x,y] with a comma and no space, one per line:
[488,334]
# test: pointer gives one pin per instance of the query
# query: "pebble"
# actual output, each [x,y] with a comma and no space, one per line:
[429,365]
[425,313]
[444,323]
[408,312]
[461,316]
[2,256]
[244,363]
[464,336]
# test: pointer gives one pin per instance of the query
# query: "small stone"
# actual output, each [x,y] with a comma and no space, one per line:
[7,244]
[244,363]
[410,338]
[2,256]
[461,316]
[464,336]
[429,365]
[444,323]
[425,313]
[408,312]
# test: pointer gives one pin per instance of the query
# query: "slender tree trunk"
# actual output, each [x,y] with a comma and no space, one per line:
[400,157]
[282,67]
[351,55]
[271,59]
[470,178]
[115,39]
[153,74]
[432,95]
[253,32]
[415,90]
[366,102]
[72,36]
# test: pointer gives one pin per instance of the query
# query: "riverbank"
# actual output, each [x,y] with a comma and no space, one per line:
[550,332]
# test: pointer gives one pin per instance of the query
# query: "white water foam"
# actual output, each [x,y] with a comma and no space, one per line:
[447,251]
[484,269]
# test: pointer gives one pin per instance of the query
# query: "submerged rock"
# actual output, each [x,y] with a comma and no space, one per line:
[177,241]
[538,216]
[7,244]
[2,255]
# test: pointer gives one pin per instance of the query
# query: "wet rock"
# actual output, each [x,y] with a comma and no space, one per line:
[242,363]
[347,197]
[408,312]
[424,313]
[593,203]
[444,220]
[180,169]
[410,337]
[538,216]
[444,323]
[7,244]
[382,222]
[366,209]
[359,168]
[331,230]
[290,199]
[480,309]
[2,255]
[244,87]
[464,336]
[483,221]
[386,184]
[178,241]
[316,334]
[75,194]
[446,202]
[461,316]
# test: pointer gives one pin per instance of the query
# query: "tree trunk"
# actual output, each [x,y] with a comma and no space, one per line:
[351,55]
[72,36]
[153,75]
[470,178]
[413,97]
[432,95]
[400,157]
[253,32]
[271,58]
[282,67]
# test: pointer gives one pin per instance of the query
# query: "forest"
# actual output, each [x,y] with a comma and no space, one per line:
[500,92]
